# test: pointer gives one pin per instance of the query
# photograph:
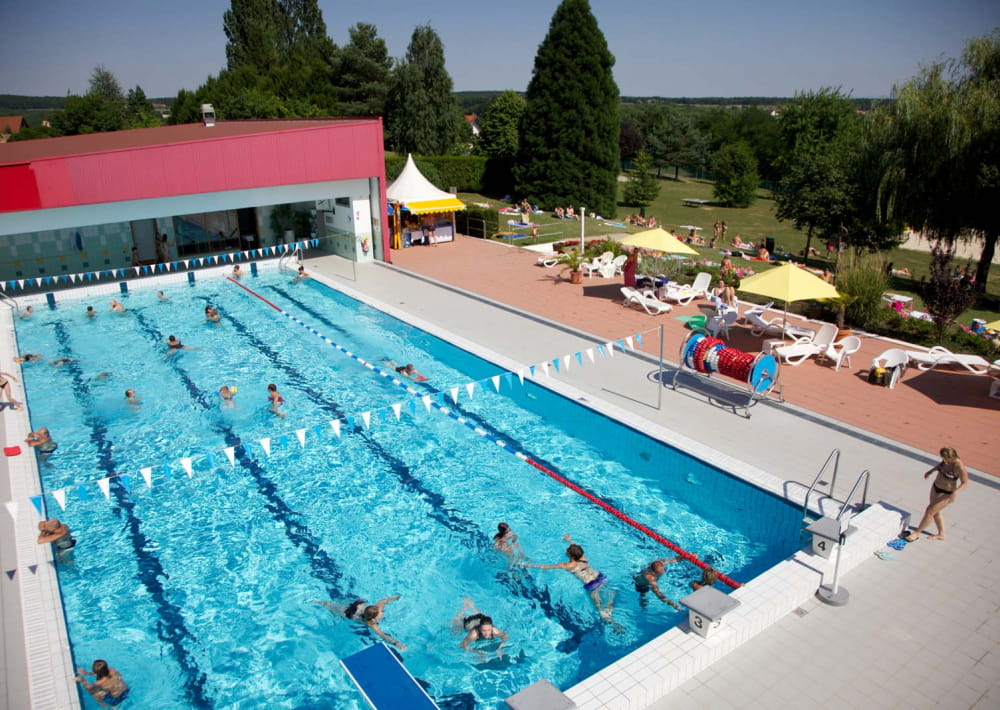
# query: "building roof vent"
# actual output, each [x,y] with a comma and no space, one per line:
[207,115]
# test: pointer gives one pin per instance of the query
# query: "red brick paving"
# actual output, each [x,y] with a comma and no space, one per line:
[926,410]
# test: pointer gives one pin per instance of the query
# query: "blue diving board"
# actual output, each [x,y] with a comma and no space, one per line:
[384,681]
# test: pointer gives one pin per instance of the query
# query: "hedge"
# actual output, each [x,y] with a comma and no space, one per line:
[466,173]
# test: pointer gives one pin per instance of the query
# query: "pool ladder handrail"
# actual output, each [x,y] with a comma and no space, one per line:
[863,476]
[289,253]
[8,301]
[835,458]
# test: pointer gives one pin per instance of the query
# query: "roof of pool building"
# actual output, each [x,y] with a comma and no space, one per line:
[932,601]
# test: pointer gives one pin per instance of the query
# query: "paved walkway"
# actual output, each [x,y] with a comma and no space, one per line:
[921,630]
[927,410]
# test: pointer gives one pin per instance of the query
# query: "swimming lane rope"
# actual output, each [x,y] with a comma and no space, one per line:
[690,557]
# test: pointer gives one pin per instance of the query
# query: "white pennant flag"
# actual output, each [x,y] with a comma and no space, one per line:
[470,388]
[566,361]
[187,263]
[367,416]
[335,423]
[426,399]
[496,382]
[60,497]
[545,367]
[610,347]
[301,434]
[520,376]
[230,452]
[397,409]
[147,476]
[12,509]
[590,354]
[105,485]
[266,444]
[186,464]
[38,282]
[628,341]
[454,394]
[136,269]
[20,282]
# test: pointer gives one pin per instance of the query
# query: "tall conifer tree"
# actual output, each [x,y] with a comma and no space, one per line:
[569,131]
[252,28]
[421,111]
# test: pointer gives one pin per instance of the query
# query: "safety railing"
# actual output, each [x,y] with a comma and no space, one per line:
[833,458]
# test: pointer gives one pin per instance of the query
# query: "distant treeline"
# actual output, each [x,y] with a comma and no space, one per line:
[15,103]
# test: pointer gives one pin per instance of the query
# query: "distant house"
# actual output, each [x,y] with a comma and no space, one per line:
[9,125]
[473,121]
[162,111]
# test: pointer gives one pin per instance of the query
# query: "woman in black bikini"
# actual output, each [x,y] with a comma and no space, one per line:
[951,478]
[5,389]
[480,628]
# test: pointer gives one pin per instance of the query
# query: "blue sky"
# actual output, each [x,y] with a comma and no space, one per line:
[662,47]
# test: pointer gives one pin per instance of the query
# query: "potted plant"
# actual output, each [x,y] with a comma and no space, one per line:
[283,222]
[572,261]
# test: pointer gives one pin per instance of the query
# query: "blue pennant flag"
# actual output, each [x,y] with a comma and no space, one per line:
[600,349]
[621,344]
[531,369]
[210,459]
[413,406]
[440,398]
[37,502]
[508,378]
[579,358]
[638,339]
[283,441]
[126,481]
[556,364]
[82,490]
[350,423]
[173,264]
[319,430]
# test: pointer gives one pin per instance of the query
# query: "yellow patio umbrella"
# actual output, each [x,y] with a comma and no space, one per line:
[993,325]
[788,283]
[658,240]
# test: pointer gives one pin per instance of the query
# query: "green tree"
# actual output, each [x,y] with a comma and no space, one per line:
[569,131]
[253,30]
[301,21]
[421,114]
[642,187]
[818,130]
[945,297]
[499,126]
[363,80]
[139,111]
[735,170]
[104,85]
[630,140]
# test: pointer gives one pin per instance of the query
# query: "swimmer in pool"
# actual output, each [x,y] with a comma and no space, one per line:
[410,371]
[26,313]
[365,613]
[91,313]
[212,314]
[117,307]
[132,400]
[709,576]
[174,346]
[302,275]
[28,357]
[57,533]
[276,400]
[237,272]
[63,361]
[648,580]
[479,627]
[109,689]
[226,394]
[41,441]
[592,580]
[505,541]
[162,296]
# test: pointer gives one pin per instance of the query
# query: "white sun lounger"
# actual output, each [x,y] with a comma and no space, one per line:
[943,356]
[649,304]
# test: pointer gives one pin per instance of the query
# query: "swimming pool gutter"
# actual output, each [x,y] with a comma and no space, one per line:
[37,665]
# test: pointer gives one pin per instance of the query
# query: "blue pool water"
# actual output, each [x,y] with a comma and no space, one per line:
[199,590]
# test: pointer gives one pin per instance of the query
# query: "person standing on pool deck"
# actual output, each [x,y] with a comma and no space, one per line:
[648,580]
[579,567]
[951,478]
[5,378]
[276,400]
[109,688]
[367,614]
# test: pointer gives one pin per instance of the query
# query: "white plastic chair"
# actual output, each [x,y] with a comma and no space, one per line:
[841,351]
[760,326]
[895,360]
[802,349]
[649,304]
[597,264]
[614,267]
[720,323]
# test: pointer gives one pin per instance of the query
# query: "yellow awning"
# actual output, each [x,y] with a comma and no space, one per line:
[448,204]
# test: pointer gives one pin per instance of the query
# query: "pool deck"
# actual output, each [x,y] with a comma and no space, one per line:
[921,630]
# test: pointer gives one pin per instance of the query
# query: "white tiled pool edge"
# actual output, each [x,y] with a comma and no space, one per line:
[650,672]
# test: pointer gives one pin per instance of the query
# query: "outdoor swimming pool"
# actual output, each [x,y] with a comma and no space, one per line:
[198,590]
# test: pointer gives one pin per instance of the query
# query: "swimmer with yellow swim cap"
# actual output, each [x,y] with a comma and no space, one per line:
[226,394]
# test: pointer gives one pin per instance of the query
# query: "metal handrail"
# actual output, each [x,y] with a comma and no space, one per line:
[8,301]
[864,476]
[289,253]
[835,457]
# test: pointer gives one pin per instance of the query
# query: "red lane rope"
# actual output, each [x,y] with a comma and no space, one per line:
[253,293]
[690,557]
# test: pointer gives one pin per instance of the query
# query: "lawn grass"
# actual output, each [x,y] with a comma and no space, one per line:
[751,223]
